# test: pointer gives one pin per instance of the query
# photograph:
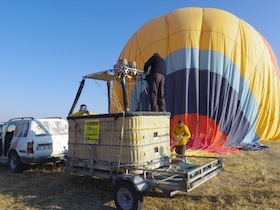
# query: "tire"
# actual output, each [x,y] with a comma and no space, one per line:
[15,165]
[126,197]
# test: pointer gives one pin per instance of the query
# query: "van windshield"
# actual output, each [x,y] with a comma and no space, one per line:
[46,127]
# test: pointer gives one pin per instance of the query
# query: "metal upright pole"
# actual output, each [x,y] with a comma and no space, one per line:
[77,96]
[124,89]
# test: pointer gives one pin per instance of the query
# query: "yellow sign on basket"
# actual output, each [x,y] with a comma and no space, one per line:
[92,131]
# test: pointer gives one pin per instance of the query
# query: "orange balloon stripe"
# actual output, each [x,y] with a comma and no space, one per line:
[206,136]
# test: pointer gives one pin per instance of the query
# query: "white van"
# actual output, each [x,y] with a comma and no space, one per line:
[27,140]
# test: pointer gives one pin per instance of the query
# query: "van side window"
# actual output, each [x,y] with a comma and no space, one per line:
[18,130]
[59,128]
[54,127]
[21,130]
[40,129]
[24,131]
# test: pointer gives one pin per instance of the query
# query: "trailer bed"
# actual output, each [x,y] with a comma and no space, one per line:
[178,175]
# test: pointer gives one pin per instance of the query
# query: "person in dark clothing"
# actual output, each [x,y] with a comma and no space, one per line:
[156,81]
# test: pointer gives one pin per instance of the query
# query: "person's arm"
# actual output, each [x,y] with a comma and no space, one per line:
[187,133]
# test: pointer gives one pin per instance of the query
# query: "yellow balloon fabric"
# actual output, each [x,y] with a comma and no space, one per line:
[222,77]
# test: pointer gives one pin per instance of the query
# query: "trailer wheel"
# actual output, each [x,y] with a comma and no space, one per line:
[127,197]
[15,165]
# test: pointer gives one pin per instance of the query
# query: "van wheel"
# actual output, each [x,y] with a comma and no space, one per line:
[15,165]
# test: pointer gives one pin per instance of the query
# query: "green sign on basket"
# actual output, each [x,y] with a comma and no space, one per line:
[92,131]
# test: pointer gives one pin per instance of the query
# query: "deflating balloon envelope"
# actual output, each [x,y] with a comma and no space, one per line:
[222,77]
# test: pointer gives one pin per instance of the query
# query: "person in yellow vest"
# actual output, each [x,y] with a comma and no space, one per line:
[181,134]
[83,111]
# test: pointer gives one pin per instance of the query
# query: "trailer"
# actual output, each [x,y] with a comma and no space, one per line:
[132,149]
[129,182]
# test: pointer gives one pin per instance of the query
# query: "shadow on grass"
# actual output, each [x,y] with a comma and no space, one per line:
[48,187]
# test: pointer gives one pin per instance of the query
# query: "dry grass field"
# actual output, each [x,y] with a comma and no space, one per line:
[250,180]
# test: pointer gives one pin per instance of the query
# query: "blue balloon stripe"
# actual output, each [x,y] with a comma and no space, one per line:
[208,83]
[193,58]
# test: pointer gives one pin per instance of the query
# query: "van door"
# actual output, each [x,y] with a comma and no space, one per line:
[1,137]
[21,138]
[8,136]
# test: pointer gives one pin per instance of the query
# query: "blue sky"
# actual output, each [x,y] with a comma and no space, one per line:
[46,46]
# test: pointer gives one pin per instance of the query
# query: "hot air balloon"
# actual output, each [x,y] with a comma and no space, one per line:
[222,77]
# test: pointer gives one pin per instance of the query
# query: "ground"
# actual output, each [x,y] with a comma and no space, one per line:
[250,180]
